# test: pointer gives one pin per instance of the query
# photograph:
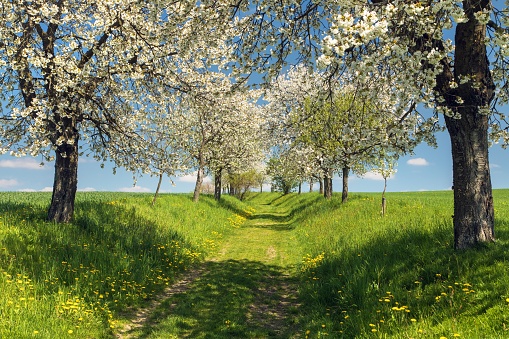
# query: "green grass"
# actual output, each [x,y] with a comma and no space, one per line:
[357,274]
[368,276]
[60,280]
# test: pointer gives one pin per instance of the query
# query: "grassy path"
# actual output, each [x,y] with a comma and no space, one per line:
[246,290]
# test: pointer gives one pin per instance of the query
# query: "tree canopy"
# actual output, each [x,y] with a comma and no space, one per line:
[105,79]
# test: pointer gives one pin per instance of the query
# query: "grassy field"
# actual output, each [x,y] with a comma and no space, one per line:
[344,270]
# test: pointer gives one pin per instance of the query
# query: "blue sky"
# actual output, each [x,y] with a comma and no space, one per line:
[427,169]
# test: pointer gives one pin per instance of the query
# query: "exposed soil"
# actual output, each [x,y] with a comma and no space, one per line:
[141,317]
[257,291]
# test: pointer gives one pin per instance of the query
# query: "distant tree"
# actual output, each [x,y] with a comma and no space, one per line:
[285,175]
[336,122]
[243,182]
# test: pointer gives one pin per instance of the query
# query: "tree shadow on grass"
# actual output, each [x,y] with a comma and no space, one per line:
[231,299]
[226,202]
[107,243]
[422,271]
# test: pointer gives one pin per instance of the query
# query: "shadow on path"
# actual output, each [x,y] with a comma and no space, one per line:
[227,299]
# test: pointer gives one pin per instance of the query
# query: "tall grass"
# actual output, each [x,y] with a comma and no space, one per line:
[398,276]
[361,275]
[74,280]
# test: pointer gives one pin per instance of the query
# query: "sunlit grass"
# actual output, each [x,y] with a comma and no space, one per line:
[358,274]
[59,280]
[398,276]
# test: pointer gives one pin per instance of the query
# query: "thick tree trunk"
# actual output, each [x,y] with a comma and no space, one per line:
[327,185]
[473,201]
[344,194]
[65,183]
[218,184]
[157,189]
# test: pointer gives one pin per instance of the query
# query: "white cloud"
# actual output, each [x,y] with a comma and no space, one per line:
[47,189]
[192,178]
[5,183]
[24,163]
[87,189]
[375,176]
[27,190]
[418,162]
[494,166]
[135,189]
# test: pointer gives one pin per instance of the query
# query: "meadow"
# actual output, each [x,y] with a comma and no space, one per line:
[357,274]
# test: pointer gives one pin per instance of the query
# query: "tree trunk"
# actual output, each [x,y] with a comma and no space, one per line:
[218,184]
[65,183]
[384,201]
[300,187]
[320,181]
[199,180]
[311,185]
[473,200]
[344,194]
[327,185]
[157,189]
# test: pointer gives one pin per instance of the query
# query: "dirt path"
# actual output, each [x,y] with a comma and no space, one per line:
[245,291]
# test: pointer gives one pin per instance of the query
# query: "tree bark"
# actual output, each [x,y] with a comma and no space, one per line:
[300,187]
[157,189]
[344,194]
[65,183]
[218,184]
[311,185]
[327,185]
[199,178]
[384,201]
[473,200]
[197,186]
[320,182]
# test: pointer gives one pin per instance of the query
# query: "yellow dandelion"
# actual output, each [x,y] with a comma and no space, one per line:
[36,332]
[413,320]
[70,331]
[456,335]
